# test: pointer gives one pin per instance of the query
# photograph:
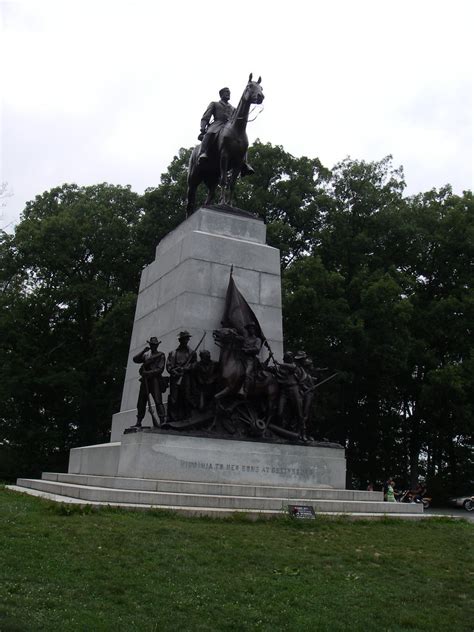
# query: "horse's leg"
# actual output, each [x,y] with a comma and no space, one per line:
[223,177]
[193,182]
[191,195]
[231,185]
[210,194]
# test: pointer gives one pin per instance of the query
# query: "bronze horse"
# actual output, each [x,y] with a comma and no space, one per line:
[227,155]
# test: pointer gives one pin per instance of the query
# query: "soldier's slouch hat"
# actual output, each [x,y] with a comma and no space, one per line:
[153,341]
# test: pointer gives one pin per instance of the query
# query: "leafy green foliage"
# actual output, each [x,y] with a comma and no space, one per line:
[287,193]
[69,295]
[386,297]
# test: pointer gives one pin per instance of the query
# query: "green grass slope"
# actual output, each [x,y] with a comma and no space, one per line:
[66,569]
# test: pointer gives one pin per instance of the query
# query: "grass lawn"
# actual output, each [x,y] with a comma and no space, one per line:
[65,569]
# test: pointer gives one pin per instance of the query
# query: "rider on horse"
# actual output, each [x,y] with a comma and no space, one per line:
[221,112]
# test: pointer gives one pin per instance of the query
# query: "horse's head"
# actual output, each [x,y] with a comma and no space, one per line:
[253,92]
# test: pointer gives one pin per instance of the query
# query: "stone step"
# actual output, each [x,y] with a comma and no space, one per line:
[245,503]
[226,489]
[213,512]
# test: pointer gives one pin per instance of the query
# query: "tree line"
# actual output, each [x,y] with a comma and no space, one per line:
[376,284]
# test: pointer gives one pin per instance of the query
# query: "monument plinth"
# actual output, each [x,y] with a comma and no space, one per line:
[185,289]
[177,457]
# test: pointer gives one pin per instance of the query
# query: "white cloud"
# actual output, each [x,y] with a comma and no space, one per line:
[108,91]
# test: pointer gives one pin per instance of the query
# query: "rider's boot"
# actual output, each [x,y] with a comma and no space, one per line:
[204,148]
[246,170]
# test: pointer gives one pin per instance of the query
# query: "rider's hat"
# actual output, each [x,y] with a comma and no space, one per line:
[153,341]
[300,355]
[222,90]
[184,334]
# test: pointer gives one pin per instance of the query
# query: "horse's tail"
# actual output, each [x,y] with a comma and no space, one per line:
[193,180]
[193,163]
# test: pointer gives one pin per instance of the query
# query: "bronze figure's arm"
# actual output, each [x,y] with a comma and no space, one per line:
[206,117]
[139,358]
[154,365]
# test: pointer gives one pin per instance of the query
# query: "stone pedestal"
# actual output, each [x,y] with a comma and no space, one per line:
[174,457]
[184,458]
[185,287]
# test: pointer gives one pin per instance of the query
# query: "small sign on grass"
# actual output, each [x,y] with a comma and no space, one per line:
[301,511]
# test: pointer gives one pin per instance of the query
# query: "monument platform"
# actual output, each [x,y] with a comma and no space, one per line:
[212,477]
[211,499]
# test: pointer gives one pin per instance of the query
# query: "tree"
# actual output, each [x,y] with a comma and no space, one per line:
[439,399]
[164,206]
[398,323]
[69,278]
[288,193]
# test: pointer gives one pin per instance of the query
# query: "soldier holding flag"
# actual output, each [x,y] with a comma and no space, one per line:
[240,316]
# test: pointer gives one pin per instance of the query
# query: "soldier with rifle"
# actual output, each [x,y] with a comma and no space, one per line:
[309,381]
[205,376]
[290,393]
[180,365]
[306,382]
[152,382]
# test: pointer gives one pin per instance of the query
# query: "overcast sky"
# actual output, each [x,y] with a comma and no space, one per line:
[99,91]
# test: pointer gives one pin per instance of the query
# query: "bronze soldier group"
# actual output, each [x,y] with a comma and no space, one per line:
[194,383]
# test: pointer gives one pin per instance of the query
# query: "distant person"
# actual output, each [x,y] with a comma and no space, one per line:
[418,493]
[370,487]
[391,491]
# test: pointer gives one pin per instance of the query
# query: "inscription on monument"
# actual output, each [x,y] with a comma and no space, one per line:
[256,469]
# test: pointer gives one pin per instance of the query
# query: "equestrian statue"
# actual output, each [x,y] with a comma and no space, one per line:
[222,155]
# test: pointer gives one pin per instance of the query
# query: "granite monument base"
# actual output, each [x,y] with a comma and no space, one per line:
[158,455]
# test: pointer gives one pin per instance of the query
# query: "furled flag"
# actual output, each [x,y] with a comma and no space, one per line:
[237,312]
